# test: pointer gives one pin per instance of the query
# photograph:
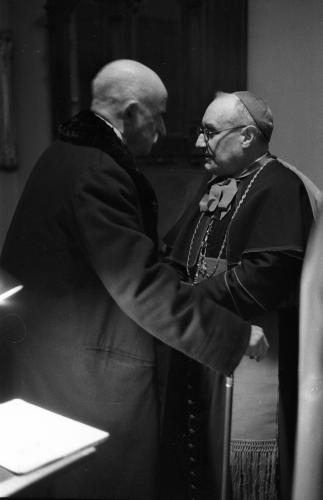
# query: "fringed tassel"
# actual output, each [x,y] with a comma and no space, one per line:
[254,469]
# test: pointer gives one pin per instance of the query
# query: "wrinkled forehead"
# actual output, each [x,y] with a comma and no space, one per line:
[220,113]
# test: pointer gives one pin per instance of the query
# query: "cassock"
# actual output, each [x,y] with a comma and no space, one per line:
[242,241]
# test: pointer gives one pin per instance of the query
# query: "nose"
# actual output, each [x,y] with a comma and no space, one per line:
[162,126]
[160,129]
[200,141]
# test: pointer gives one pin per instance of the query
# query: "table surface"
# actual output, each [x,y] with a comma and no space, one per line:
[11,483]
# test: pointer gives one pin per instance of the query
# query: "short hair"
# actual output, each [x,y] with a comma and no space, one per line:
[242,115]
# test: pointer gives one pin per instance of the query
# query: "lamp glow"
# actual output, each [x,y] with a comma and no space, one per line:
[8,285]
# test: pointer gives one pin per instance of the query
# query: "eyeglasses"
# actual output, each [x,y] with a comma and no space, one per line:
[208,133]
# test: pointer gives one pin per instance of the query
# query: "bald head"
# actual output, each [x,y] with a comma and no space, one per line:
[121,82]
[133,98]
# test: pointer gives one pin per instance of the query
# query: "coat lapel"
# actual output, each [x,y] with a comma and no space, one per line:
[87,129]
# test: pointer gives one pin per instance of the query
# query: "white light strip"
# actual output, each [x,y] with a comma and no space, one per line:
[8,293]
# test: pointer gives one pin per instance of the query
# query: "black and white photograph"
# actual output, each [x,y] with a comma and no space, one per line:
[161,249]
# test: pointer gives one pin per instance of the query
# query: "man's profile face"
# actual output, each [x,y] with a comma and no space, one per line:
[221,140]
[146,126]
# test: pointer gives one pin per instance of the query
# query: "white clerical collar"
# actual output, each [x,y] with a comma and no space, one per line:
[117,131]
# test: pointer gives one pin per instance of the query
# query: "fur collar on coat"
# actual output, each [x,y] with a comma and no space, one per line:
[86,129]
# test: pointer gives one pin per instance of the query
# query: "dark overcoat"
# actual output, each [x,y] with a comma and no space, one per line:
[100,312]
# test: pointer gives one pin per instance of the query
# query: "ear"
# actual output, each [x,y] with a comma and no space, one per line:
[130,113]
[248,135]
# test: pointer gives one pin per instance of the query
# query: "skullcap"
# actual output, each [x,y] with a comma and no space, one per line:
[259,110]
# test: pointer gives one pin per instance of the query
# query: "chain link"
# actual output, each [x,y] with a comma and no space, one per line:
[201,268]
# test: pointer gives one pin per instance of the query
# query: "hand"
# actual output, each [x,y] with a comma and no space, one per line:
[258,344]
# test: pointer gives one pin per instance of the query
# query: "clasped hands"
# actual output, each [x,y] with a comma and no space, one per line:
[258,344]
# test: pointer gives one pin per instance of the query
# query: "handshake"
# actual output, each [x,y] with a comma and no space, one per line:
[258,344]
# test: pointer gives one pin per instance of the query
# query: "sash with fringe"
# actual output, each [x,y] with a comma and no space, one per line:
[254,426]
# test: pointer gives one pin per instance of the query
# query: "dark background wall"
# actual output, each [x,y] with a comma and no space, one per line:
[196,46]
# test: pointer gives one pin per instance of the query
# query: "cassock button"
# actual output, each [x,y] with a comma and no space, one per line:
[191,430]
[191,445]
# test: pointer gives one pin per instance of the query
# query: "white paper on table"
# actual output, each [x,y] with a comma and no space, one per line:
[31,436]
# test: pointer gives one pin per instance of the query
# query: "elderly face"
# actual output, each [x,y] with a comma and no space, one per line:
[221,141]
[147,124]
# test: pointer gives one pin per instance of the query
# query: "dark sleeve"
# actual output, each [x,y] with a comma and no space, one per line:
[107,216]
[261,282]
[178,268]
[272,229]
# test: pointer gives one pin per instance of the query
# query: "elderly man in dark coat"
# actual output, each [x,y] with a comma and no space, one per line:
[100,311]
